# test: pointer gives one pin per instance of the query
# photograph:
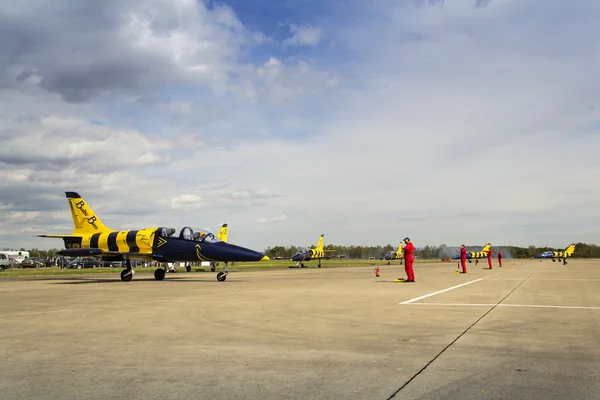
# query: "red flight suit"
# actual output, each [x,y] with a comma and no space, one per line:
[490,258]
[463,259]
[409,258]
[500,258]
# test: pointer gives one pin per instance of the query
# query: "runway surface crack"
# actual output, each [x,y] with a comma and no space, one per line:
[459,336]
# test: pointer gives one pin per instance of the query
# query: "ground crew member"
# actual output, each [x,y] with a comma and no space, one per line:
[409,257]
[490,258]
[463,258]
[499,258]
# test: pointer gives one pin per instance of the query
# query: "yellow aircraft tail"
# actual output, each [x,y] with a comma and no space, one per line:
[570,250]
[320,244]
[486,248]
[222,235]
[400,248]
[84,218]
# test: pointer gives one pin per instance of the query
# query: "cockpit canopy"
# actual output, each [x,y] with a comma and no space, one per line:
[188,233]
[166,232]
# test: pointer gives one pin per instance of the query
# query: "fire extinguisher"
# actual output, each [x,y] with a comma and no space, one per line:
[377,272]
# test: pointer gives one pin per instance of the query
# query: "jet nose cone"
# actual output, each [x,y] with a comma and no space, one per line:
[230,252]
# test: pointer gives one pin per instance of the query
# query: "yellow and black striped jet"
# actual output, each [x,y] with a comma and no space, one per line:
[311,254]
[395,255]
[92,238]
[476,255]
[561,255]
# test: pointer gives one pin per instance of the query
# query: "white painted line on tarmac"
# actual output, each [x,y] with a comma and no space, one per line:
[440,291]
[506,305]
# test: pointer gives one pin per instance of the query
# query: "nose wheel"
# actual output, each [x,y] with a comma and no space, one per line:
[221,276]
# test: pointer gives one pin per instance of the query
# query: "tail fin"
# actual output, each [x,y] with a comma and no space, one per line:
[222,235]
[570,250]
[320,244]
[84,218]
[400,247]
[486,248]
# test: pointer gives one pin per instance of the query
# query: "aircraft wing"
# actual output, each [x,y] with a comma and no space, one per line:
[102,253]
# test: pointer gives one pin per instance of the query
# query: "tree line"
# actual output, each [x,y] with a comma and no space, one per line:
[582,250]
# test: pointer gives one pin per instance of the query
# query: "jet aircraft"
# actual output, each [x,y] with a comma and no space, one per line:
[310,254]
[476,255]
[395,255]
[91,237]
[568,252]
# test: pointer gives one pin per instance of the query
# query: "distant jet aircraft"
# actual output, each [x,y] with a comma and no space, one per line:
[568,252]
[476,255]
[310,254]
[395,255]
[92,238]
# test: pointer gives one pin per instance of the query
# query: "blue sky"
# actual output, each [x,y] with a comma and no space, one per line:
[365,121]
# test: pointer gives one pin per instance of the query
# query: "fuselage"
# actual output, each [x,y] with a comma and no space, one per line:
[393,255]
[159,245]
[310,254]
[552,254]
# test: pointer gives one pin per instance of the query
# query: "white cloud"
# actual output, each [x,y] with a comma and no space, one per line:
[447,124]
[304,35]
[273,220]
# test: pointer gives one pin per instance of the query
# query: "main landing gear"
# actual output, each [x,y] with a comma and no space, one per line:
[159,273]
[127,273]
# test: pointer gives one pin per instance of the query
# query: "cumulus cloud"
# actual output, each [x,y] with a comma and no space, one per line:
[304,35]
[441,121]
[273,220]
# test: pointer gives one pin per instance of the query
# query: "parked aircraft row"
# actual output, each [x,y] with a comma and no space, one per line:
[91,237]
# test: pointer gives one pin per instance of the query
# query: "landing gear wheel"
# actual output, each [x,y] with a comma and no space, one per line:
[221,276]
[188,268]
[159,274]
[126,275]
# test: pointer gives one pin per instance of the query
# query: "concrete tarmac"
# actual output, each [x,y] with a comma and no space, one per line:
[529,330]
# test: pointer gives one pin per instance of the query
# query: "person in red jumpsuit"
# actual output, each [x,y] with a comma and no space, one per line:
[409,257]
[499,258]
[463,258]
[490,258]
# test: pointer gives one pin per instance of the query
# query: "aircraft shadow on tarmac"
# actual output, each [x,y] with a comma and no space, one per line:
[76,280]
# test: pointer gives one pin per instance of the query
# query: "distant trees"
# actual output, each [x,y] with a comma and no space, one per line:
[41,253]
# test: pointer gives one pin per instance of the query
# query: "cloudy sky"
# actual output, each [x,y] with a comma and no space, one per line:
[456,121]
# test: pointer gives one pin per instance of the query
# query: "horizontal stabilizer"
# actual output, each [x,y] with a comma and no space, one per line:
[79,252]
[59,236]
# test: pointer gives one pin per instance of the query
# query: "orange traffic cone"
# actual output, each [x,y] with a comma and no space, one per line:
[377,272]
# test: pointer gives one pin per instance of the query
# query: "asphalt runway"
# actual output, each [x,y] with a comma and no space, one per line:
[529,330]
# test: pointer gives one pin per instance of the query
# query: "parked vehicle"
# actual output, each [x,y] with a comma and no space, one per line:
[4,262]
[33,262]
[80,263]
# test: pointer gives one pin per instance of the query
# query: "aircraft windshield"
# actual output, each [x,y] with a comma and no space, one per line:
[210,238]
